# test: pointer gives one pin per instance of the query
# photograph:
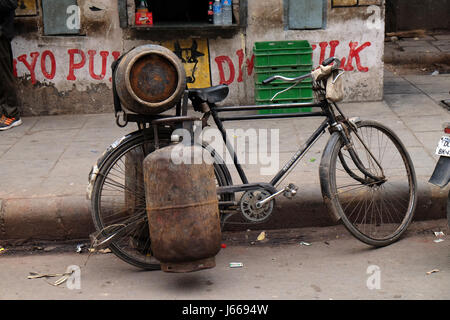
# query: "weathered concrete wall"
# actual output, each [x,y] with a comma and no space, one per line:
[72,74]
[69,74]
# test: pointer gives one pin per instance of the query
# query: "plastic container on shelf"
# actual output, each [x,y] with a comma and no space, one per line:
[218,15]
[143,15]
[210,12]
[227,12]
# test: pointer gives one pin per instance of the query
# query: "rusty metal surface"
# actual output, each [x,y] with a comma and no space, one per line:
[134,181]
[190,266]
[153,78]
[150,79]
[182,209]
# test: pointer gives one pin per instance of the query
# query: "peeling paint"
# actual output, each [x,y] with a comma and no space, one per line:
[44,98]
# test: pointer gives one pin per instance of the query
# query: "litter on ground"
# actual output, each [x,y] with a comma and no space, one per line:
[433,271]
[439,235]
[236,264]
[35,275]
[261,236]
[80,247]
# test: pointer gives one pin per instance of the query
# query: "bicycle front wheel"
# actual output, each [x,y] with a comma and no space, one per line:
[375,212]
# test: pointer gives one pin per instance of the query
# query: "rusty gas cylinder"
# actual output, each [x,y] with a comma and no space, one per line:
[149,79]
[135,197]
[182,208]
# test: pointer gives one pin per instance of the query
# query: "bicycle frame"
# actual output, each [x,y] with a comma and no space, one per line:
[332,122]
[326,111]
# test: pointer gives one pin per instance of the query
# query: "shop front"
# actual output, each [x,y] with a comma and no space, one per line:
[64,48]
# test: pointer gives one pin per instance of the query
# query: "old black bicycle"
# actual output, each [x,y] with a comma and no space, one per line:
[366,174]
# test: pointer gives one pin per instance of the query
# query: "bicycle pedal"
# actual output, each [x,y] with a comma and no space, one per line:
[290,191]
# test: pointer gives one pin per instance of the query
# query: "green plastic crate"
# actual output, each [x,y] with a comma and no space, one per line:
[286,58]
[283,60]
[264,73]
[299,92]
[283,47]
[282,53]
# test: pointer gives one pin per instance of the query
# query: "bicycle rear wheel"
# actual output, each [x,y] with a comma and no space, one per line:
[118,199]
[377,212]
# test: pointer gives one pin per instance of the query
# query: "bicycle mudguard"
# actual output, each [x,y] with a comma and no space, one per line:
[324,170]
[441,173]
[448,210]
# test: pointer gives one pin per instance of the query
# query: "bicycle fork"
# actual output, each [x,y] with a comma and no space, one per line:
[370,179]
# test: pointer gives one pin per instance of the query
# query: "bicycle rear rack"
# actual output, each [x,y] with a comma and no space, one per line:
[143,121]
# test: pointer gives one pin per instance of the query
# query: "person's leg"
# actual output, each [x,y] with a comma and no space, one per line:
[8,85]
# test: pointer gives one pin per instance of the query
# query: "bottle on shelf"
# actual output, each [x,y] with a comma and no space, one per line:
[143,15]
[210,12]
[217,7]
[227,12]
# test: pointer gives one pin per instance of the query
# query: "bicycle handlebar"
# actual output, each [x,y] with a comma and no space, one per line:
[278,77]
[325,63]
[269,80]
[328,61]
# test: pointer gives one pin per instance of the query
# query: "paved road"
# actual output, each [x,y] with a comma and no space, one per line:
[334,266]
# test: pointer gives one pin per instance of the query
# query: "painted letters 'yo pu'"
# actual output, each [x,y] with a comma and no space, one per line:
[182,209]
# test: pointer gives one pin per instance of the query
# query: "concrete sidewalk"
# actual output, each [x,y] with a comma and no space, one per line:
[426,49]
[46,161]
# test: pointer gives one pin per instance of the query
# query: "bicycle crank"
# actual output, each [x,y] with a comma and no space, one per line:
[289,192]
[257,205]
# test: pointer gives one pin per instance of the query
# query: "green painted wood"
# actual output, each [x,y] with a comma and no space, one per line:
[305,14]
[123,15]
[60,17]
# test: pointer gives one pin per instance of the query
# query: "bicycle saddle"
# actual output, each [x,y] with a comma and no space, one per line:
[211,94]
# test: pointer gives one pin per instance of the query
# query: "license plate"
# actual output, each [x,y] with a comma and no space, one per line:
[443,148]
